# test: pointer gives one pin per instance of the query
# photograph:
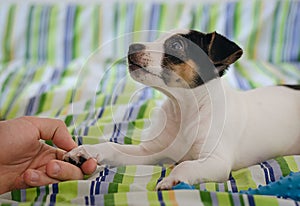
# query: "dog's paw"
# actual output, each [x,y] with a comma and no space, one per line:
[167,183]
[76,156]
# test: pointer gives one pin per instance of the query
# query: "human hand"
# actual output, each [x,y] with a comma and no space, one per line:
[26,162]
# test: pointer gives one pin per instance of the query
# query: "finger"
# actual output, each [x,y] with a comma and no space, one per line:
[34,178]
[63,171]
[53,129]
[89,166]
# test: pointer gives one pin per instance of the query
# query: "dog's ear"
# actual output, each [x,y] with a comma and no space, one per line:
[221,51]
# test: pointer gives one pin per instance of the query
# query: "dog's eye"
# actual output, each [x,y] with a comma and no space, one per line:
[177,45]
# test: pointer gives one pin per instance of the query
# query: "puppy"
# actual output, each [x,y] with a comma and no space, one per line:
[204,125]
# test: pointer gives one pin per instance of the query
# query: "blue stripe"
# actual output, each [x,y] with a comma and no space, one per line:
[52,200]
[160,198]
[233,184]
[97,189]
[86,200]
[296,33]
[154,18]
[43,34]
[92,188]
[129,23]
[205,18]
[92,200]
[251,200]
[163,174]
[69,34]
[30,106]
[40,37]
[55,188]
[79,140]
[86,131]
[229,19]
[100,113]
[130,112]
[112,139]
[268,171]
[117,132]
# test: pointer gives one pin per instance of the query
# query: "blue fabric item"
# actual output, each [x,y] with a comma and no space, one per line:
[286,187]
[183,186]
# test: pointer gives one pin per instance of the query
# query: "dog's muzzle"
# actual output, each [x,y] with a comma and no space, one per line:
[135,54]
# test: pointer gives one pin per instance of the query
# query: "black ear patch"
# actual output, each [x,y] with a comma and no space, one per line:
[221,51]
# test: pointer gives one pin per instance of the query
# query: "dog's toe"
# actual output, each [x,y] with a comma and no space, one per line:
[76,157]
[77,161]
[167,183]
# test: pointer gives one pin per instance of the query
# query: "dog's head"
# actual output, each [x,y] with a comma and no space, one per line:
[185,59]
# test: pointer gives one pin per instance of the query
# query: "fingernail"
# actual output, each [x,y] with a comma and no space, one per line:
[34,177]
[56,168]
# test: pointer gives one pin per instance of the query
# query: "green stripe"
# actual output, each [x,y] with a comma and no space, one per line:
[205,198]
[223,198]
[281,30]
[113,188]
[290,160]
[236,19]
[118,178]
[243,179]
[130,129]
[253,37]
[120,199]
[138,21]
[162,17]
[109,199]
[69,190]
[16,195]
[283,166]
[242,71]
[77,33]
[7,44]
[52,34]
[274,31]
[213,17]
[42,101]
[265,201]
[142,111]
[68,120]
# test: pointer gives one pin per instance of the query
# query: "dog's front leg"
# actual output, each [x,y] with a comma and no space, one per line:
[197,171]
[112,154]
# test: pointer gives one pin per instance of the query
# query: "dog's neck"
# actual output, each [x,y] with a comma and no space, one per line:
[192,101]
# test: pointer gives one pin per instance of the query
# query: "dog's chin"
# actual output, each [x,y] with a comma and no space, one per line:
[145,77]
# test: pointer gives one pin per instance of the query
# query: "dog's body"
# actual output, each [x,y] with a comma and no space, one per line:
[205,125]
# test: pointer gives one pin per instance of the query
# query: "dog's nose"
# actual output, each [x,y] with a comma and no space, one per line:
[134,48]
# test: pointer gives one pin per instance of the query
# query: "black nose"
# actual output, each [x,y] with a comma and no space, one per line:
[134,48]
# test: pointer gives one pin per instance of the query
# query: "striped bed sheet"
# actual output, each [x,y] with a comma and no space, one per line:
[49,67]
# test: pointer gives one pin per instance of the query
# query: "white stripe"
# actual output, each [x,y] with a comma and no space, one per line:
[188,197]
[19,30]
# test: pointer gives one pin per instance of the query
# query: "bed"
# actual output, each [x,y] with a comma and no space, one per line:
[66,60]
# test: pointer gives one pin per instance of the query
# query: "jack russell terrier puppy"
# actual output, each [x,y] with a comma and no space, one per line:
[204,125]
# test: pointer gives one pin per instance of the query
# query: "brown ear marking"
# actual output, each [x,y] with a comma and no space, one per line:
[222,51]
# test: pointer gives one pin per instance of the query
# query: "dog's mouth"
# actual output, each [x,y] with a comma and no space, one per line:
[133,66]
